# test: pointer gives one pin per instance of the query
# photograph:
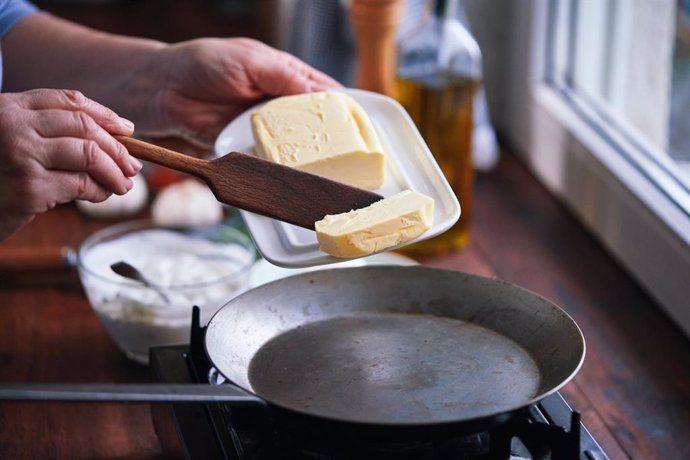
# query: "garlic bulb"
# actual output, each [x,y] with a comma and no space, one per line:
[117,206]
[188,202]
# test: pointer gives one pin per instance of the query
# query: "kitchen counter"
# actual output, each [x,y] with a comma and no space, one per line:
[633,390]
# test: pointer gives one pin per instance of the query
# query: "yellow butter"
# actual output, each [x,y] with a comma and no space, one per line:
[386,223]
[324,133]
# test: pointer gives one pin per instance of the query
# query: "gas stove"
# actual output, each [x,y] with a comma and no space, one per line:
[210,431]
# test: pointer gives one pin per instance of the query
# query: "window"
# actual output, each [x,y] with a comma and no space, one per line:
[628,64]
[606,85]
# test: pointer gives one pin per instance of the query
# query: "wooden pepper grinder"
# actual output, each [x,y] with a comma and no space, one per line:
[375,23]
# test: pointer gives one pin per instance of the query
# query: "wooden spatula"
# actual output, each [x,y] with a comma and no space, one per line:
[261,186]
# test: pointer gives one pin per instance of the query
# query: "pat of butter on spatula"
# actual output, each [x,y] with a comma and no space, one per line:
[386,223]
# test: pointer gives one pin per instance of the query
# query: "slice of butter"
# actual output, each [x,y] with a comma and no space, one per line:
[323,133]
[386,223]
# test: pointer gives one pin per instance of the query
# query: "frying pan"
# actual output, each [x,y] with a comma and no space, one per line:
[375,353]
[389,350]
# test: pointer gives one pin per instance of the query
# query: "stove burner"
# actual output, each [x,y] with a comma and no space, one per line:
[548,430]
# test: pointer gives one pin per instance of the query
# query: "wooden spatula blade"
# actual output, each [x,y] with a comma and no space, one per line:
[260,186]
[281,192]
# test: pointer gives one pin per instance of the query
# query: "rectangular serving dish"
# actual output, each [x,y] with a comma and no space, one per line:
[409,165]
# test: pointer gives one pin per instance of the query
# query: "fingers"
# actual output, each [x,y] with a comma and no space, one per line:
[77,136]
[298,77]
[303,74]
[284,74]
[69,186]
[75,101]
[319,80]
[56,146]
[46,189]
[52,123]
[84,155]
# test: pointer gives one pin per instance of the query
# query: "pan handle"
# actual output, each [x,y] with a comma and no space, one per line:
[126,392]
[13,259]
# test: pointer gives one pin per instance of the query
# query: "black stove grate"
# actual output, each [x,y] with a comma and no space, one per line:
[549,430]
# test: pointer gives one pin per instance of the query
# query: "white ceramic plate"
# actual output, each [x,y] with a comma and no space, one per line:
[409,165]
[264,272]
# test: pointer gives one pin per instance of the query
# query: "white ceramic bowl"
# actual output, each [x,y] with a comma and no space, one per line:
[204,266]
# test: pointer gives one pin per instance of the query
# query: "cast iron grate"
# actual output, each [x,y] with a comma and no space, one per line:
[550,430]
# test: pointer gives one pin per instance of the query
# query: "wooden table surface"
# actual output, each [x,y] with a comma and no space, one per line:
[633,390]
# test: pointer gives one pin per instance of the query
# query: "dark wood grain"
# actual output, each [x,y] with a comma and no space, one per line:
[636,375]
[50,334]
[260,186]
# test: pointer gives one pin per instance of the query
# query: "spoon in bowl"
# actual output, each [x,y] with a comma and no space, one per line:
[122,268]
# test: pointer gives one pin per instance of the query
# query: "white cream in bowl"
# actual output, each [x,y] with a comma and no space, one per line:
[203,267]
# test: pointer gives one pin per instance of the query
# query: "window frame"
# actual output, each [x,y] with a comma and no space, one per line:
[590,167]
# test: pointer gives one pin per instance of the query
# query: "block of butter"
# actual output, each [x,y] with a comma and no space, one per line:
[386,223]
[323,133]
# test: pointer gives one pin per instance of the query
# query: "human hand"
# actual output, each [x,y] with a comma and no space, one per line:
[205,83]
[56,146]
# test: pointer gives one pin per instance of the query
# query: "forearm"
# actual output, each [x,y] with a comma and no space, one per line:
[43,51]
[190,89]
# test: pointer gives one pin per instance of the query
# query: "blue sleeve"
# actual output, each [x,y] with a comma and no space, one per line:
[12,11]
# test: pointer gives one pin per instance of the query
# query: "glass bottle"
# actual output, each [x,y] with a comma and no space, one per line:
[438,73]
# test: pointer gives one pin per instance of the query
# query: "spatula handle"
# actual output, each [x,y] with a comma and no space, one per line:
[165,157]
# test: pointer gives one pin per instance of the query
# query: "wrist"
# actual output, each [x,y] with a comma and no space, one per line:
[136,90]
